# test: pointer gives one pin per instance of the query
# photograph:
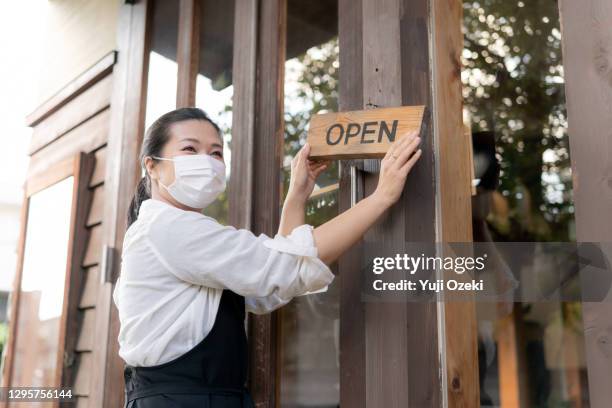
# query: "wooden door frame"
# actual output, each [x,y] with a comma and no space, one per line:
[79,166]
[257,136]
[127,111]
[435,205]
[259,124]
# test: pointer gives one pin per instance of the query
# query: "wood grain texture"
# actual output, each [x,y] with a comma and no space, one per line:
[54,173]
[86,137]
[352,311]
[267,159]
[386,324]
[240,189]
[85,337]
[97,207]
[94,246]
[121,177]
[400,368]
[419,200]
[361,134]
[81,201]
[587,61]
[86,105]
[98,176]
[82,381]
[89,293]
[77,86]
[455,224]
[188,50]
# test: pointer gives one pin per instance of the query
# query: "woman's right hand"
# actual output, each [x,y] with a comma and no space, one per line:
[395,166]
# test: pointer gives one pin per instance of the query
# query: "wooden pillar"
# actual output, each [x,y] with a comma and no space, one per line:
[257,143]
[587,60]
[188,51]
[408,354]
[122,175]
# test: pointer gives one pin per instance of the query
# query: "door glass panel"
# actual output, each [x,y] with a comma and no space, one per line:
[514,94]
[214,89]
[309,329]
[42,286]
[163,69]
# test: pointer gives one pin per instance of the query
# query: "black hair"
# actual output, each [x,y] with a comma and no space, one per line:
[154,141]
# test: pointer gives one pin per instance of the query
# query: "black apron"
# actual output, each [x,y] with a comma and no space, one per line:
[210,375]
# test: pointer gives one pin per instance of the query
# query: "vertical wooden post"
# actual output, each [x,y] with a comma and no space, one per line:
[454,221]
[122,175]
[587,61]
[352,311]
[266,160]
[240,190]
[188,52]
[411,354]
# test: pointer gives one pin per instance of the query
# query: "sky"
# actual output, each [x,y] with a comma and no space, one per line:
[21,25]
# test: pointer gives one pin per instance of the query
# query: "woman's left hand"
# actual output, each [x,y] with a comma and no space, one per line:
[304,173]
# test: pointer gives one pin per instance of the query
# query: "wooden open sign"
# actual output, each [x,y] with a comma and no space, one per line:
[361,134]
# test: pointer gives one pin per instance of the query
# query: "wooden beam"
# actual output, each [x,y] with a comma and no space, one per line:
[77,86]
[393,355]
[386,324]
[77,243]
[454,201]
[188,52]
[240,189]
[587,61]
[122,175]
[352,311]
[425,386]
[267,162]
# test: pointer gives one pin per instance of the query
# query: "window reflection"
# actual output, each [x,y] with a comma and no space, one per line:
[163,69]
[530,354]
[214,89]
[42,286]
[309,342]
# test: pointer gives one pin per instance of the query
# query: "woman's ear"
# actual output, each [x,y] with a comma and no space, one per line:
[150,168]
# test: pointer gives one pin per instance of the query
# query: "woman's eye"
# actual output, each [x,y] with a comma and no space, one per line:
[191,148]
[218,154]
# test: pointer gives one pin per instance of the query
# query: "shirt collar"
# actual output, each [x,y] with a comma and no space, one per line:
[152,204]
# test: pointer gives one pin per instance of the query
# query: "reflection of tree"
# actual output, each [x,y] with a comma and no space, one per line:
[513,84]
[311,87]
[219,208]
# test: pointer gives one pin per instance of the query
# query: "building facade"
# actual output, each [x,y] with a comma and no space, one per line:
[261,68]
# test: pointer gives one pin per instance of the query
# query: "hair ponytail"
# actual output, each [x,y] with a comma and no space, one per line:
[154,141]
[143,192]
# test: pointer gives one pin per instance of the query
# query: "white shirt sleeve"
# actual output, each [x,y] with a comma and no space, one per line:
[299,241]
[268,272]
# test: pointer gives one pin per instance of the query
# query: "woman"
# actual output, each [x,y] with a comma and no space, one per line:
[186,280]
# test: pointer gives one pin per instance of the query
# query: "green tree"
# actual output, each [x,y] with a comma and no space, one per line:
[513,85]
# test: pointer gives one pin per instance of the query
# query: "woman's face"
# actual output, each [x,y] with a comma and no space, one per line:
[186,138]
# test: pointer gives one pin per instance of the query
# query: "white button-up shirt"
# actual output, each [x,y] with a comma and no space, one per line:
[175,265]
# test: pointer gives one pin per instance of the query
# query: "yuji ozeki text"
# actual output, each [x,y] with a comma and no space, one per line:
[413,264]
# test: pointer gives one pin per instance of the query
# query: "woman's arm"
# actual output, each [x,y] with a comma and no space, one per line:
[337,235]
[341,232]
[304,173]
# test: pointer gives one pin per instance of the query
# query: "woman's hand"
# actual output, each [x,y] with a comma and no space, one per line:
[304,173]
[395,166]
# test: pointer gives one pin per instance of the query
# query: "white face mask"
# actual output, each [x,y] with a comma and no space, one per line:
[198,179]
